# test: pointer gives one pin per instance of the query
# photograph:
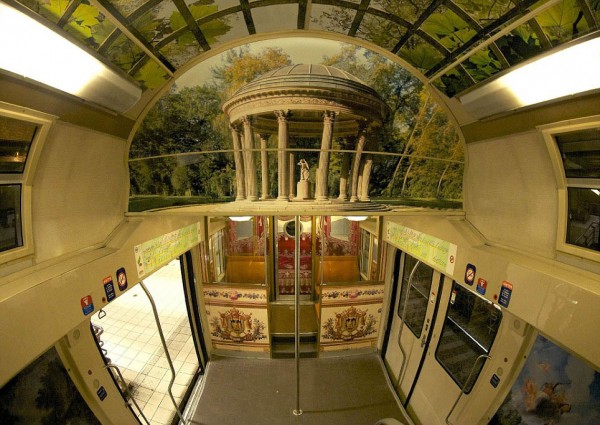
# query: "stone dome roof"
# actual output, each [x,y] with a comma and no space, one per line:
[309,76]
[307,90]
[310,69]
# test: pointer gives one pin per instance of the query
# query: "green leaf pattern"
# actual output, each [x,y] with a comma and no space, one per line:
[449,29]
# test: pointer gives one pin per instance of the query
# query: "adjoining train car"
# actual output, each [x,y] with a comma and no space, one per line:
[158,230]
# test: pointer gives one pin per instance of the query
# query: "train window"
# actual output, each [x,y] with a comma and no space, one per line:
[365,247]
[580,153]
[11,235]
[583,221]
[469,331]
[16,137]
[217,254]
[418,294]
[580,156]
[22,133]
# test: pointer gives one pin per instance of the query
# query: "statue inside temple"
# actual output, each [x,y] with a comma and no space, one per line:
[304,171]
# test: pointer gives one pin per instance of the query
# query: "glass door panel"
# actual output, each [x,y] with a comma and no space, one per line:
[463,336]
[285,248]
[417,305]
[128,337]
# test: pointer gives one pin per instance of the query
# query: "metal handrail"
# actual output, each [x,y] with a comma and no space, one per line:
[408,286]
[128,396]
[462,390]
[165,349]
[297,411]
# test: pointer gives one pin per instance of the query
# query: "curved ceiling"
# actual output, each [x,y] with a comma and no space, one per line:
[454,44]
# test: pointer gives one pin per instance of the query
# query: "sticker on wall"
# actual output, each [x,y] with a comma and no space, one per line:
[495,381]
[481,286]
[122,279]
[470,274]
[101,393]
[109,288]
[505,293]
[87,305]
[453,297]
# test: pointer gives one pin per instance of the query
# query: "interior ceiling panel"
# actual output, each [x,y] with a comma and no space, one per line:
[454,43]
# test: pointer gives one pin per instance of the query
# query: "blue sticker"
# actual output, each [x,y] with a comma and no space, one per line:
[87,305]
[495,381]
[470,274]
[481,286]
[109,288]
[505,293]
[122,279]
[101,393]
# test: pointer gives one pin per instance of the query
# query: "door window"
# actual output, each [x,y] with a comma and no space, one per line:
[418,294]
[128,337]
[469,331]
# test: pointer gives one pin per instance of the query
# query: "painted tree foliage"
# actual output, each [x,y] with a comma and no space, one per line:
[189,121]
[417,129]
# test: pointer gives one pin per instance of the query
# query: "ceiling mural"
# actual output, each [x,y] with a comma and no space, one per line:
[455,44]
[182,151]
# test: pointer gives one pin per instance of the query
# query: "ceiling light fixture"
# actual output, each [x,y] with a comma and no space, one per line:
[357,217]
[566,72]
[240,218]
[30,49]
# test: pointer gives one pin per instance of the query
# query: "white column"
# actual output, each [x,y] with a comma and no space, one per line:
[366,178]
[282,156]
[360,144]
[249,166]
[239,163]
[344,172]
[264,167]
[292,165]
[323,170]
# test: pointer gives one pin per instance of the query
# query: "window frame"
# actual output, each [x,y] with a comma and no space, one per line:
[563,183]
[465,332]
[44,122]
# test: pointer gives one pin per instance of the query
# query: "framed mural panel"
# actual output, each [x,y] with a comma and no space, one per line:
[350,316]
[238,317]
[554,388]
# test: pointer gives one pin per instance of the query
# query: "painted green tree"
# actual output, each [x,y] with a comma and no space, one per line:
[416,128]
[189,121]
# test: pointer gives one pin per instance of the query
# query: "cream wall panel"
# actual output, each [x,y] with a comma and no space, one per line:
[79,194]
[39,307]
[510,192]
[561,301]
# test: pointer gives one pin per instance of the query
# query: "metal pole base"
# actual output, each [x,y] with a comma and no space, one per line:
[297,412]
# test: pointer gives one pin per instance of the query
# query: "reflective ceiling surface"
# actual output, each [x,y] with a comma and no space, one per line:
[455,44]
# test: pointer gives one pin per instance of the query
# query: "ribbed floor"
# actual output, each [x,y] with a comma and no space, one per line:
[348,390]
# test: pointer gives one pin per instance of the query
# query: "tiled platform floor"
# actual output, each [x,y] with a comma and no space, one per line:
[133,344]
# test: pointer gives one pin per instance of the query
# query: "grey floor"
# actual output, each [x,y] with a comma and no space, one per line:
[350,390]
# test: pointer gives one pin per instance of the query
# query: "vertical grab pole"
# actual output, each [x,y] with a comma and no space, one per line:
[297,410]
[165,349]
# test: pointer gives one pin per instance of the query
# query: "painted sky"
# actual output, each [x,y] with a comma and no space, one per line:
[300,49]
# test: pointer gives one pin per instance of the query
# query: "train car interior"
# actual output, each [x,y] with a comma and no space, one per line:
[264,212]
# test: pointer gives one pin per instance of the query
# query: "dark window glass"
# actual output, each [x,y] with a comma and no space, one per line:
[43,393]
[469,331]
[580,152]
[418,297]
[11,235]
[15,140]
[583,221]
